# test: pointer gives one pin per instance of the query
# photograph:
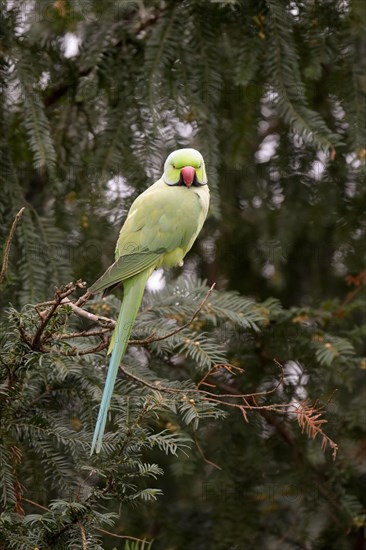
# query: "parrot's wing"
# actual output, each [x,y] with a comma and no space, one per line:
[126,266]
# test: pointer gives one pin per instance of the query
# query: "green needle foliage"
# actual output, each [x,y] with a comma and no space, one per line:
[238,418]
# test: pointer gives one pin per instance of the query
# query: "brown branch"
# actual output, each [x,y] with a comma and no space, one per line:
[209,395]
[213,370]
[82,334]
[310,422]
[84,298]
[24,336]
[35,504]
[60,294]
[100,320]
[279,426]
[118,536]
[212,397]
[246,395]
[8,244]
[203,455]
[76,351]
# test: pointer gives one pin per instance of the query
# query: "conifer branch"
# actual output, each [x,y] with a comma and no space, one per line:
[308,416]
[61,298]
[154,338]
[104,531]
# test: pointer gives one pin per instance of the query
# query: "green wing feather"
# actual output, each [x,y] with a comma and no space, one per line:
[125,267]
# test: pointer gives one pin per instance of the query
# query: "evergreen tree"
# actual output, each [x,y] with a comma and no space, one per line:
[210,441]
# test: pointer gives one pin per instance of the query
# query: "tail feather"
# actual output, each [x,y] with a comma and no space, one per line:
[133,292]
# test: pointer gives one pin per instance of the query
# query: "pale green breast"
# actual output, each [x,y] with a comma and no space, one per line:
[165,219]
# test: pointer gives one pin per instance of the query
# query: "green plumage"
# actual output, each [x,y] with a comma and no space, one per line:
[160,229]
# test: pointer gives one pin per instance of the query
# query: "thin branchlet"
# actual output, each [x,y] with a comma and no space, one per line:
[8,244]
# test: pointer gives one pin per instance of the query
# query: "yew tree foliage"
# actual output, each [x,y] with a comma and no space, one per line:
[238,417]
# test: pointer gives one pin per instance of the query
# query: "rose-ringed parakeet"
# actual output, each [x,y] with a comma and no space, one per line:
[161,227]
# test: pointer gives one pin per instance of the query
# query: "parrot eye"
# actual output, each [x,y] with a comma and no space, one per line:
[174,166]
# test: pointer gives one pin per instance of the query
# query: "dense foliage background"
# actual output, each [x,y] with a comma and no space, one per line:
[95,94]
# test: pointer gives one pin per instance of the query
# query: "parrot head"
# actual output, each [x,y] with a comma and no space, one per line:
[185,167]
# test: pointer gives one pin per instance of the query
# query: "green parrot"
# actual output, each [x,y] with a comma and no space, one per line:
[161,227]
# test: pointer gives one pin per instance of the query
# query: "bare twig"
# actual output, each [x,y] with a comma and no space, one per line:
[82,334]
[36,504]
[60,294]
[76,351]
[118,536]
[203,455]
[8,244]
[100,320]
[84,298]
[215,369]
[208,395]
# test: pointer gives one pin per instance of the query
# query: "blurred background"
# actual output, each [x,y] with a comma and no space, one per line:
[95,94]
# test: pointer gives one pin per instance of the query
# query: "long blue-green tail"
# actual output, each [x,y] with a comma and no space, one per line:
[133,292]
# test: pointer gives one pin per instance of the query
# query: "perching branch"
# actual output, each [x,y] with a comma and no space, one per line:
[106,324]
[98,319]
[8,244]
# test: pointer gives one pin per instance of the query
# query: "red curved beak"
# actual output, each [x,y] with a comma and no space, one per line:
[188,173]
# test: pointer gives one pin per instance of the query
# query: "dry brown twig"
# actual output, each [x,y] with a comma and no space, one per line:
[310,421]
[9,240]
[60,295]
